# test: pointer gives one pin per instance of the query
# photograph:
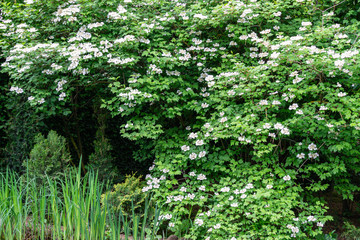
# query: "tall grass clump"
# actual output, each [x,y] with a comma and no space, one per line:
[69,208]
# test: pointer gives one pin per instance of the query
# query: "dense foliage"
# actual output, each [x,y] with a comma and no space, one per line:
[49,158]
[247,107]
[126,197]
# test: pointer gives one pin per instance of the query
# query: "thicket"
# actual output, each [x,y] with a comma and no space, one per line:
[247,109]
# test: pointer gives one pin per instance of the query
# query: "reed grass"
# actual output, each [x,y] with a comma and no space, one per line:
[67,208]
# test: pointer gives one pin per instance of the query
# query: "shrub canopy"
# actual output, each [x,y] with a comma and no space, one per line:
[250,106]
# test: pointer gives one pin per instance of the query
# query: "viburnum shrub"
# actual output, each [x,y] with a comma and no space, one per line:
[251,106]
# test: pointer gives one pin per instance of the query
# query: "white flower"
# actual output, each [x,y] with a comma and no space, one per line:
[276,102]
[201,177]
[267,126]
[263,102]
[224,119]
[342,94]
[301,156]
[320,224]
[269,186]
[323,108]
[295,229]
[274,55]
[313,155]
[225,189]
[243,196]
[199,222]
[305,24]
[170,224]
[183,189]
[312,147]
[286,178]
[231,92]
[202,154]
[204,105]
[193,135]
[207,125]
[199,142]
[190,196]
[178,198]
[192,174]
[217,226]
[200,16]
[185,148]
[192,156]
[278,126]
[121,9]
[297,80]
[285,131]
[293,106]
[311,218]
[243,37]
[234,204]
[202,188]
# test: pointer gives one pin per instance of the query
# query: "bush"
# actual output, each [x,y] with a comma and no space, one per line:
[251,106]
[125,195]
[49,157]
[101,160]
[351,232]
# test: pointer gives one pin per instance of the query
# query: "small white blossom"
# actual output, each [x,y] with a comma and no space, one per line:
[202,154]
[278,126]
[305,24]
[185,148]
[287,178]
[201,177]
[199,143]
[285,131]
[234,204]
[301,156]
[217,226]
[199,222]
[192,156]
[312,147]
[267,126]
